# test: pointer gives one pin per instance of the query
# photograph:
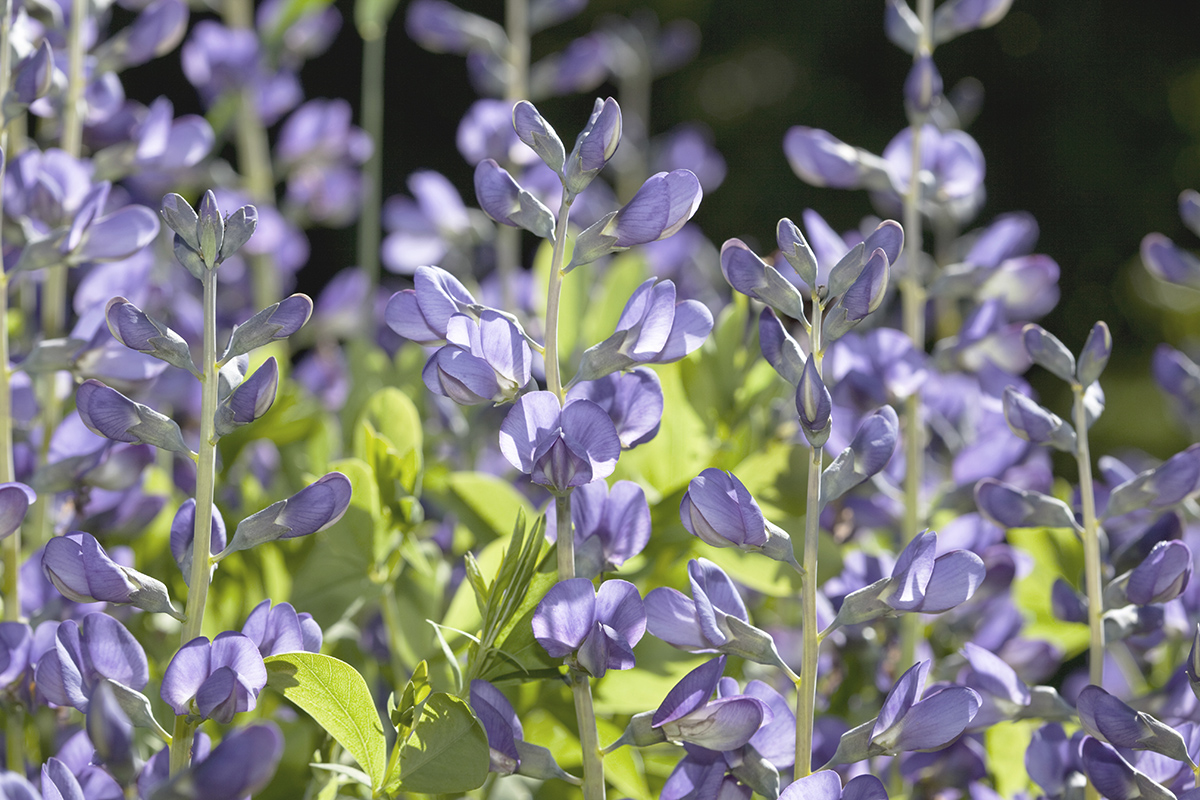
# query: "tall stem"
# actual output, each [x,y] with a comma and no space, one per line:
[508,240]
[1091,542]
[913,310]
[806,687]
[553,295]
[369,220]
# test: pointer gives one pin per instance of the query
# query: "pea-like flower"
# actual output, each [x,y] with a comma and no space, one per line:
[610,526]
[633,401]
[596,144]
[718,509]
[204,239]
[242,764]
[133,328]
[507,202]
[15,499]
[559,447]
[689,713]
[827,785]
[506,738]
[84,654]
[249,400]
[279,629]
[108,413]
[660,208]
[652,329]
[81,571]
[276,321]
[216,679]
[1162,576]
[312,509]
[485,361]
[423,313]
[183,530]
[598,629]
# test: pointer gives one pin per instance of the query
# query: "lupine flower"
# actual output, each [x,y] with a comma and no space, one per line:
[559,447]
[599,627]
[610,526]
[279,629]
[311,510]
[110,414]
[485,360]
[714,620]
[688,714]
[594,146]
[920,582]
[422,314]
[827,785]
[80,569]
[1113,776]
[215,679]
[665,202]
[633,401]
[15,500]
[183,530]
[242,764]
[503,199]
[506,738]
[652,329]
[1162,576]
[276,321]
[718,509]
[83,654]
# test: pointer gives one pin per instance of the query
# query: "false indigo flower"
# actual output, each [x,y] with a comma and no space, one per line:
[1165,485]
[951,171]
[1111,721]
[814,405]
[1162,576]
[920,582]
[718,509]
[111,732]
[249,400]
[15,499]
[539,135]
[486,360]
[922,87]
[131,327]
[203,240]
[1012,507]
[503,199]
[443,27]
[59,782]
[242,764]
[1049,352]
[653,329]
[276,321]
[311,510]
[81,571]
[1033,423]
[280,629]
[689,715]
[1114,777]
[17,787]
[83,655]
[633,401]
[506,738]
[110,414]
[578,68]
[424,230]
[961,16]
[215,680]
[559,447]
[827,785]
[594,146]
[821,159]
[183,530]
[869,452]
[752,276]
[599,627]
[690,146]
[1094,356]
[779,348]
[487,131]
[610,526]
[660,208]
[423,314]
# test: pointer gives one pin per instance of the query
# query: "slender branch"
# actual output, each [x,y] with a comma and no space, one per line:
[553,295]
[1091,542]
[806,687]
[181,744]
[369,219]
[589,738]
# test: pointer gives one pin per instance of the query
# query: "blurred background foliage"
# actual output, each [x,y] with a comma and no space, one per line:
[1090,121]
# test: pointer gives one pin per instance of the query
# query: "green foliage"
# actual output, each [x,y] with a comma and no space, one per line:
[446,750]
[1055,553]
[337,698]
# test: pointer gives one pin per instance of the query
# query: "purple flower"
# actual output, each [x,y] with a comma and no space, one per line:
[599,627]
[1012,507]
[485,360]
[1036,424]
[952,170]
[215,680]
[111,732]
[633,401]
[442,27]
[1094,356]
[961,16]
[422,314]
[920,582]
[559,447]
[688,714]
[750,275]
[131,327]
[539,135]
[821,159]
[1049,352]
[205,239]
[923,86]
[249,400]
[183,531]
[1112,721]
[280,629]
[652,329]
[81,571]
[428,229]
[487,131]
[691,147]
[814,405]
[276,321]
[503,199]
[610,526]
[110,414]
[594,146]
[660,208]
[311,510]
[242,764]
[84,654]
[33,76]
[1162,576]
[15,499]
[506,738]
[718,509]
[827,785]
[1114,777]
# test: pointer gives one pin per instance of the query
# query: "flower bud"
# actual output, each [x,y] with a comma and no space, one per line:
[814,404]
[923,87]
[1094,356]
[535,131]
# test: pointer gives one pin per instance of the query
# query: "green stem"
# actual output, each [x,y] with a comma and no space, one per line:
[806,687]
[553,295]
[508,240]
[566,537]
[1091,542]
[12,547]
[913,310]
[206,469]
[589,738]
[633,88]
[369,220]
[181,744]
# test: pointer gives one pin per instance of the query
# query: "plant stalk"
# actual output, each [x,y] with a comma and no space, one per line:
[553,296]
[806,687]
[1091,542]
[369,218]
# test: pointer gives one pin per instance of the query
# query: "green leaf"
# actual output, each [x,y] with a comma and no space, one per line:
[1006,743]
[390,419]
[337,698]
[486,504]
[1056,553]
[447,751]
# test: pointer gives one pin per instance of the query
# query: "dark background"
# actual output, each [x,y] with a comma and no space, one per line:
[1091,122]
